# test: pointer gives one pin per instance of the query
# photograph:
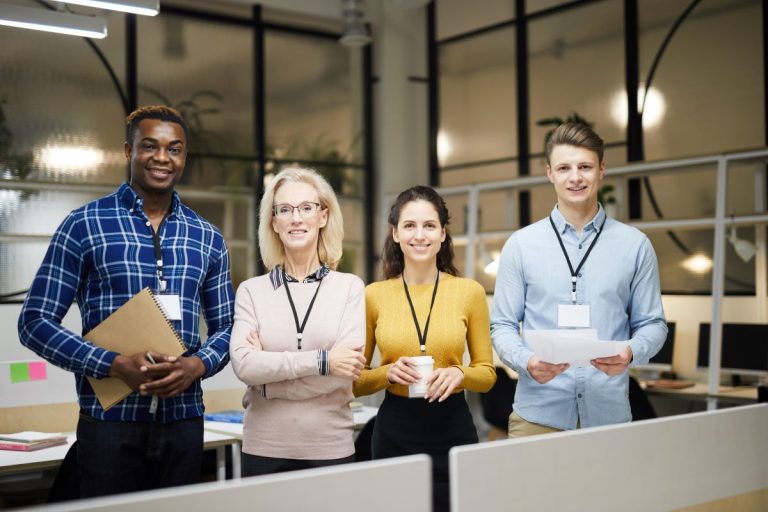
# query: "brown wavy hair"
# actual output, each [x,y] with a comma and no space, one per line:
[393,260]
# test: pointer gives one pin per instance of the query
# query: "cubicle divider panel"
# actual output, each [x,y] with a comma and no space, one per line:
[401,484]
[662,464]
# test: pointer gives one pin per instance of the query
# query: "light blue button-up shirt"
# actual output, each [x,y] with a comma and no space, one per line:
[620,282]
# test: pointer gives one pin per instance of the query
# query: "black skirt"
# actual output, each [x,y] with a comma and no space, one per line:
[406,426]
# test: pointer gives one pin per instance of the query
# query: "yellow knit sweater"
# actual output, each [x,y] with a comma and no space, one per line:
[459,320]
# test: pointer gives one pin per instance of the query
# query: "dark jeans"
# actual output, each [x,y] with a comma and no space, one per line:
[255,465]
[117,456]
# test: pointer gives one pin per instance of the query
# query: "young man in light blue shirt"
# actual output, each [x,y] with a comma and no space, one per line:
[576,268]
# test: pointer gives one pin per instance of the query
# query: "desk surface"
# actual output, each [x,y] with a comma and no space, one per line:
[50,458]
[361,416]
[700,390]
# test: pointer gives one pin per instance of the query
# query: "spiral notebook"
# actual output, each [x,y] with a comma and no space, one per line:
[139,325]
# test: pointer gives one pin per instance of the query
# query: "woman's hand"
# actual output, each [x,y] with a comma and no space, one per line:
[346,363]
[442,382]
[403,371]
[253,339]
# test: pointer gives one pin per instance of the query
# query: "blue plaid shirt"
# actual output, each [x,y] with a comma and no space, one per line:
[101,256]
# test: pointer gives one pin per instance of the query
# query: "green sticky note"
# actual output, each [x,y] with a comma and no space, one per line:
[19,372]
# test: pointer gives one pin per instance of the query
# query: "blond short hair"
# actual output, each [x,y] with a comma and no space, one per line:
[329,245]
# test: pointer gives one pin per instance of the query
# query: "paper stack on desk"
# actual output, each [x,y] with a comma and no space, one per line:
[574,346]
[30,441]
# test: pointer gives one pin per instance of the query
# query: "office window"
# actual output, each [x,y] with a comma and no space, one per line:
[707,94]
[25,232]
[211,84]
[314,119]
[685,263]
[459,16]
[478,103]
[60,114]
[576,65]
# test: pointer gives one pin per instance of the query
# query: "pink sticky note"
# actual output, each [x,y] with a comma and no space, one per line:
[37,370]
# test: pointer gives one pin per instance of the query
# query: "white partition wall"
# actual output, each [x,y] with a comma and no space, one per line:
[660,464]
[401,484]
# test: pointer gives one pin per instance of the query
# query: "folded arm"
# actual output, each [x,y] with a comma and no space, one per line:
[346,360]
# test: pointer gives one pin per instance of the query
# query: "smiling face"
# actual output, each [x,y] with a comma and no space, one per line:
[298,232]
[576,173]
[157,155]
[419,233]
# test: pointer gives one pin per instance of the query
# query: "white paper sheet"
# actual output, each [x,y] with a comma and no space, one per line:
[574,346]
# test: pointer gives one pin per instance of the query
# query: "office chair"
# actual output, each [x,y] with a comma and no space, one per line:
[497,403]
[363,442]
[638,402]
[66,485]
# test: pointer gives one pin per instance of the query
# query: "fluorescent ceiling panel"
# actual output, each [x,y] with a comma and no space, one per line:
[143,7]
[53,21]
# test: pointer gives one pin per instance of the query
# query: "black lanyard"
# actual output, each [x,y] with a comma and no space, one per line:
[575,273]
[158,254]
[299,328]
[422,338]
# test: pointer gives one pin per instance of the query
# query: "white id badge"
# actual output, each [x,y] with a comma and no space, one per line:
[170,303]
[573,315]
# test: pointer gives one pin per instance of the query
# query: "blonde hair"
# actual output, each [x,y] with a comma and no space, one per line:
[329,244]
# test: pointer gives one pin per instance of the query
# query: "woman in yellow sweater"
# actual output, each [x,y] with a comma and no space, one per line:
[423,308]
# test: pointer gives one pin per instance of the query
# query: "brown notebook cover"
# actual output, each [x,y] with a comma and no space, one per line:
[139,325]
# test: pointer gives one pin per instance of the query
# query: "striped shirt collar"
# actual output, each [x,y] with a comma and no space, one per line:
[276,276]
[133,201]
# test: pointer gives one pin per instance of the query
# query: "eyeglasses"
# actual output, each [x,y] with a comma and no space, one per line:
[306,209]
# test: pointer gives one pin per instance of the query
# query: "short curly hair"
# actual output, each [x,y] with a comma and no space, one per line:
[160,112]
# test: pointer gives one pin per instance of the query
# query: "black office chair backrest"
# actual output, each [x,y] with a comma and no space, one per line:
[638,402]
[497,403]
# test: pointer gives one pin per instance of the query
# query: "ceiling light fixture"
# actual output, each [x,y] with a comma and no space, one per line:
[53,21]
[744,248]
[143,7]
[698,264]
[355,30]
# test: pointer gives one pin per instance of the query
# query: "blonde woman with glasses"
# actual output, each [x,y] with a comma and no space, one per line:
[298,332]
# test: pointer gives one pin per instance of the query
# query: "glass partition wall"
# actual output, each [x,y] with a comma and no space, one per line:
[510,71]
[257,95]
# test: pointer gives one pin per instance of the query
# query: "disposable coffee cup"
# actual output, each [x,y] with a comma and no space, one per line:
[424,365]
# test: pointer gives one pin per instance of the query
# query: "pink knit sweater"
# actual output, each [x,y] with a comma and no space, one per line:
[304,415]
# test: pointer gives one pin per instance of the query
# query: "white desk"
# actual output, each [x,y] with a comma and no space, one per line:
[50,458]
[741,395]
[360,415]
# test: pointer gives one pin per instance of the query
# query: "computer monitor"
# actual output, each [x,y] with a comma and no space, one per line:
[663,359]
[744,349]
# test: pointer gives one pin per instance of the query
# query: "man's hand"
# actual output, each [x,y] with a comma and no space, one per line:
[442,382]
[614,365]
[346,362]
[136,370]
[183,371]
[544,372]
[403,371]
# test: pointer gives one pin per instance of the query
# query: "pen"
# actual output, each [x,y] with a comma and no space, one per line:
[153,405]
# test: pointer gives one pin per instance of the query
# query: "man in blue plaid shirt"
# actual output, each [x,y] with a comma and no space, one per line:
[102,255]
